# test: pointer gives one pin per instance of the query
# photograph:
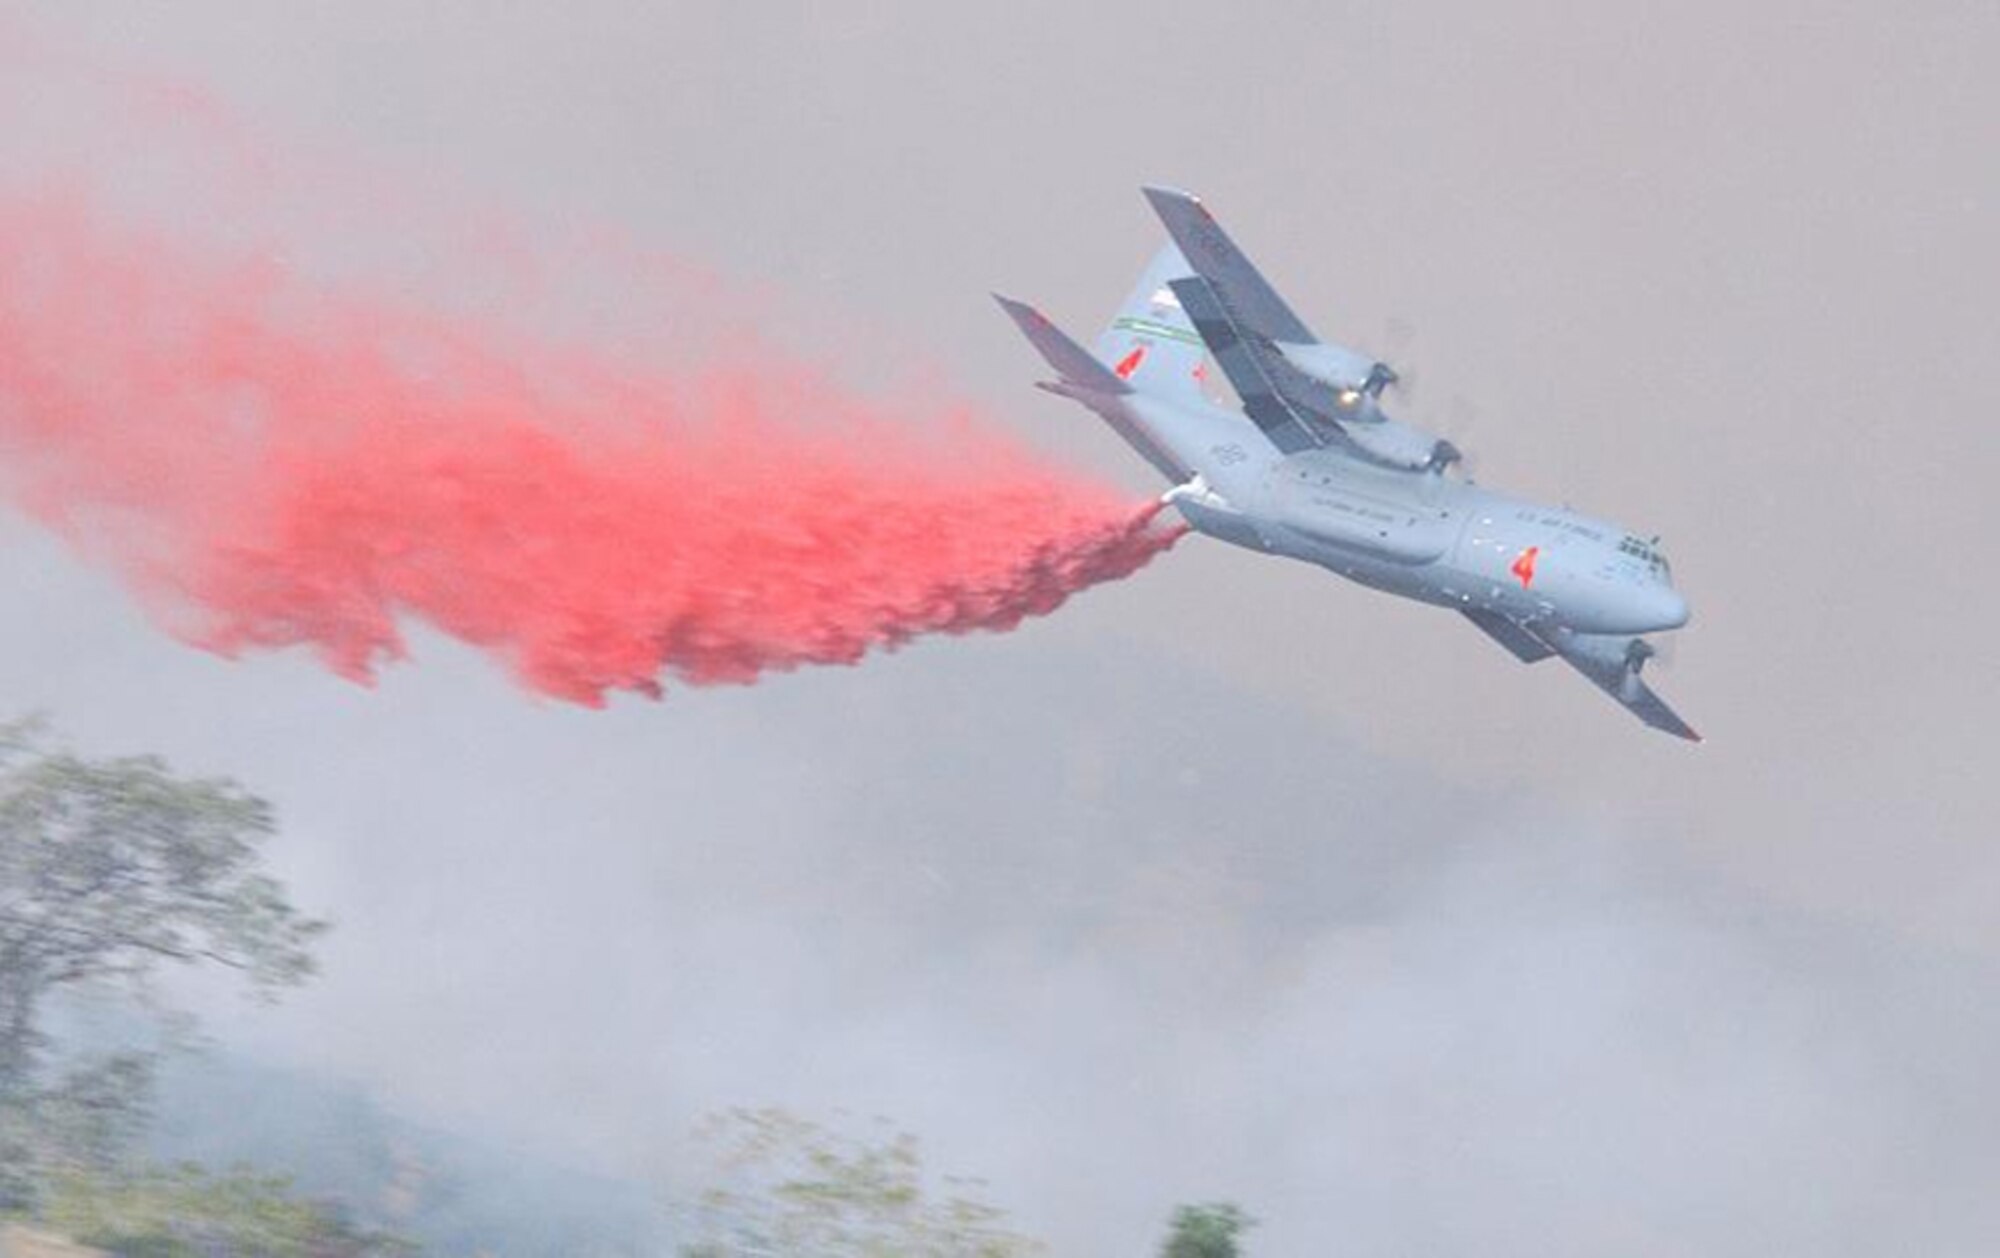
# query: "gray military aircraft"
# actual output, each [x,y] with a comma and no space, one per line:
[1322,472]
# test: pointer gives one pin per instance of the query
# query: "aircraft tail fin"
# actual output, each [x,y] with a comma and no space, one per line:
[1151,343]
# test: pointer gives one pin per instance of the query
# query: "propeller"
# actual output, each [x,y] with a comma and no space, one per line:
[1399,375]
[1397,335]
[1460,418]
[1637,652]
[1667,651]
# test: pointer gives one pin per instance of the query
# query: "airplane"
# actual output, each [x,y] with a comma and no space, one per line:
[1322,473]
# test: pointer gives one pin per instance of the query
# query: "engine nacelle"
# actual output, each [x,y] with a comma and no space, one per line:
[1400,445]
[1346,389]
[1332,365]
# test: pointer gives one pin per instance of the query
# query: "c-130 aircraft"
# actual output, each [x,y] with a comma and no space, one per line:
[1327,476]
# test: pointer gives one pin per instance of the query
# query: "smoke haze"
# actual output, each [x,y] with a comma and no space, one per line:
[1230,881]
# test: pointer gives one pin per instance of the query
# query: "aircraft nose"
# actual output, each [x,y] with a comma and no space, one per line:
[1670,607]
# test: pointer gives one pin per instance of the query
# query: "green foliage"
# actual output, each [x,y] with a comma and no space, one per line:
[110,869]
[186,1212]
[798,1190]
[1206,1231]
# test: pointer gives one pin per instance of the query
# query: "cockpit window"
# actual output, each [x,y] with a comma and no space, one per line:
[1646,554]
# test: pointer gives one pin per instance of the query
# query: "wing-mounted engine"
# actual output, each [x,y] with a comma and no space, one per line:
[1336,368]
[1614,663]
[1332,389]
[1300,410]
[1404,446]
[1334,385]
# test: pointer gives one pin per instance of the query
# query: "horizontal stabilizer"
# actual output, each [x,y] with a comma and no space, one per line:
[1086,380]
[1071,361]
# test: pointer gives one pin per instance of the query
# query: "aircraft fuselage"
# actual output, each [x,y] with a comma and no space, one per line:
[1423,535]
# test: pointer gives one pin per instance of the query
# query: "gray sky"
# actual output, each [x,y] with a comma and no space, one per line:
[1231,879]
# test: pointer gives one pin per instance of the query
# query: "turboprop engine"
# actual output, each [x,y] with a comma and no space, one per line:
[1334,366]
[1402,445]
[1345,389]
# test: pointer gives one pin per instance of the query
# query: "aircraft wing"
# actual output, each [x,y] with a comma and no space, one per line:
[1242,288]
[1262,318]
[1521,644]
[1262,402]
[1611,662]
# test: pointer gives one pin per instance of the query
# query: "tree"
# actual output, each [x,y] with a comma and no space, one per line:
[187,1212]
[799,1190]
[1206,1231]
[109,870]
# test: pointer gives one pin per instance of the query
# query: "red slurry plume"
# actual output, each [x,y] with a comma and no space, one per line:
[271,466]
